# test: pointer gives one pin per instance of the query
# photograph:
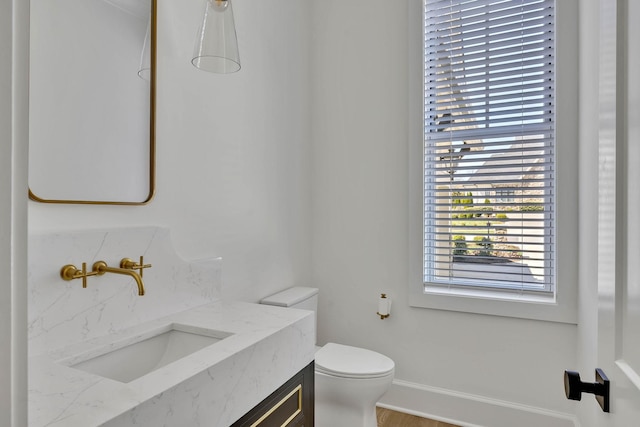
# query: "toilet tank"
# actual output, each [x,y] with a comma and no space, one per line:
[296,297]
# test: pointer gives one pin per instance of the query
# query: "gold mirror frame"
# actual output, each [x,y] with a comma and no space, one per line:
[152,129]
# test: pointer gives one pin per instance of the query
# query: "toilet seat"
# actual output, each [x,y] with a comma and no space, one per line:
[352,362]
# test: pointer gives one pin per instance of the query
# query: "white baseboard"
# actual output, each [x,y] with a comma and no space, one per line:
[467,410]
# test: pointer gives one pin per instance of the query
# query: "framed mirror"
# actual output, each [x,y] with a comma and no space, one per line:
[92,101]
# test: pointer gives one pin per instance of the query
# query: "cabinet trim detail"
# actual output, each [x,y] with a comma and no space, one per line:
[291,405]
[297,390]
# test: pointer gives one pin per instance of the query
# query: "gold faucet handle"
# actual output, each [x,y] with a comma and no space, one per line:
[130,264]
[70,272]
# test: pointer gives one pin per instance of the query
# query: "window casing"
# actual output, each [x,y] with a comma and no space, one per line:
[487,177]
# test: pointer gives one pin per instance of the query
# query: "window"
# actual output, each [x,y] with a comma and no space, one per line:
[490,128]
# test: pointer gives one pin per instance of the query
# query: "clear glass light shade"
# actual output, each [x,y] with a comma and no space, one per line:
[216,47]
[144,70]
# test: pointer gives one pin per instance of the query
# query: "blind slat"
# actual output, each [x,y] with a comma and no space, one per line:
[495,149]
[492,132]
[494,118]
[436,109]
[451,25]
[468,69]
[499,52]
[443,46]
[438,9]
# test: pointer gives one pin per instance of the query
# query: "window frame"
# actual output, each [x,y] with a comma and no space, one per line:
[562,305]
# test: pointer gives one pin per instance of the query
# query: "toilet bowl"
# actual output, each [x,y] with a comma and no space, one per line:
[348,380]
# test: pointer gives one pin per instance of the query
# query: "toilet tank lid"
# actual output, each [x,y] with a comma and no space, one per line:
[290,296]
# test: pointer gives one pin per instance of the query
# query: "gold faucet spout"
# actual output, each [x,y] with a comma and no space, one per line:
[101,267]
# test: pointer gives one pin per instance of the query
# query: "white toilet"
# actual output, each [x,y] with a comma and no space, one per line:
[348,380]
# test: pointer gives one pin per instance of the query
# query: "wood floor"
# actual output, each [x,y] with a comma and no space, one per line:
[389,418]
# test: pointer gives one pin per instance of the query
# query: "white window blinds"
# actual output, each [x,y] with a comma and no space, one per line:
[489,144]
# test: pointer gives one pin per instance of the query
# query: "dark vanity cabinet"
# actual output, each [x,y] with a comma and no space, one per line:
[289,406]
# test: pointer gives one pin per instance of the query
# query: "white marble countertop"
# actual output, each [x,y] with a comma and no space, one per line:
[213,386]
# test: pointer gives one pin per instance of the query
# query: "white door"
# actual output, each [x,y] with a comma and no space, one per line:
[618,334]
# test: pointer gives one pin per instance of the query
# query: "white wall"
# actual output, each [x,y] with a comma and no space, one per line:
[233,151]
[360,226]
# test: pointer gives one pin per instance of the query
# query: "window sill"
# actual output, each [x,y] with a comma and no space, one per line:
[494,303]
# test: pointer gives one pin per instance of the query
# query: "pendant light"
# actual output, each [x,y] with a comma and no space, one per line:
[216,47]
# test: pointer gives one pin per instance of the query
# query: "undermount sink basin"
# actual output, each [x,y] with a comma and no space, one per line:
[150,352]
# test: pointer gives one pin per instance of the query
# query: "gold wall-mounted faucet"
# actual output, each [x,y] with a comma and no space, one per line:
[128,267]
[101,267]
